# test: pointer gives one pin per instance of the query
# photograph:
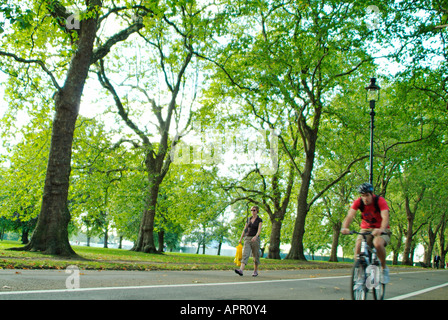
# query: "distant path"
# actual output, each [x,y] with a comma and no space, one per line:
[213,285]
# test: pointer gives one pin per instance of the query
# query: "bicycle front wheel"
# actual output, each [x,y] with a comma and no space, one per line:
[379,289]
[378,292]
[358,282]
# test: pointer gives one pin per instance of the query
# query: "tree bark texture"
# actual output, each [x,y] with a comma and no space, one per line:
[274,241]
[309,135]
[145,240]
[51,235]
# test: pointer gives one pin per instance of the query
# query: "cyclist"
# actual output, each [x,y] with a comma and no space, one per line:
[375,218]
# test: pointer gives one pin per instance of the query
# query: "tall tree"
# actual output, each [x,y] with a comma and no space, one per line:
[74,36]
[272,194]
[51,235]
[169,42]
[284,63]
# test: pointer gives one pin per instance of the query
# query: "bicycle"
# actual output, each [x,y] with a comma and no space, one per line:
[366,272]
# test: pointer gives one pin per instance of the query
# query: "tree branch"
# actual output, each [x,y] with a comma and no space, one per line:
[342,175]
[121,111]
[102,51]
[38,62]
[409,142]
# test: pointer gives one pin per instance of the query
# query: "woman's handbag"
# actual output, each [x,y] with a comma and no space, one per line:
[238,255]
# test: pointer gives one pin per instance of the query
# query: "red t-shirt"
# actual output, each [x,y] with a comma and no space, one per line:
[370,217]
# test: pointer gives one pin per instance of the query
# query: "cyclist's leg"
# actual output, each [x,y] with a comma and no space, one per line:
[359,240]
[380,244]
[358,245]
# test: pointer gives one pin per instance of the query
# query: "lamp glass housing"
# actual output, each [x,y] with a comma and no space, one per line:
[373,91]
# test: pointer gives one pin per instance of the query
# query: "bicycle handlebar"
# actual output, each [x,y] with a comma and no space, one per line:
[364,233]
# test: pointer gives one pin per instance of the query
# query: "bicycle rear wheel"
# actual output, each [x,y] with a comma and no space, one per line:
[358,282]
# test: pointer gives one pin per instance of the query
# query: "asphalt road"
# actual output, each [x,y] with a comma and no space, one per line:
[211,285]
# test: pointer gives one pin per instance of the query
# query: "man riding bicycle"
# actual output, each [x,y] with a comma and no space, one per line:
[375,218]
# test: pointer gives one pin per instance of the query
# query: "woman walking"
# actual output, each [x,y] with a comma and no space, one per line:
[251,234]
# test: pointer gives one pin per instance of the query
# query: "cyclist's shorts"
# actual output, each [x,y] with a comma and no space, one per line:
[369,237]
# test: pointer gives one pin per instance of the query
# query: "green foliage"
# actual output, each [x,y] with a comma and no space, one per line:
[24,174]
[297,67]
[15,15]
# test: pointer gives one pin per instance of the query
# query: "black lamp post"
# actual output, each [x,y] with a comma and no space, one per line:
[373,95]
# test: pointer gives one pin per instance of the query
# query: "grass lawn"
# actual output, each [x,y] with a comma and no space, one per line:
[118,259]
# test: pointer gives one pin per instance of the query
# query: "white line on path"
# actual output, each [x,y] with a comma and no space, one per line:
[168,286]
[416,293]
[215,284]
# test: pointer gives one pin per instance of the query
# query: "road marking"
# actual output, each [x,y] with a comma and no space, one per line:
[167,286]
[416,293]
[202,284]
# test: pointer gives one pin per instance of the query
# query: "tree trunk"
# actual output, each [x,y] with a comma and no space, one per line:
[297,250]
[407,246]
[280,210]
[120,243]
[274,242]
[161,238]
[432,238]
[51,234]
[397,248]
[309,136]
[106,239]
[219,246]
[409,234]
[145,240]
[335,243]
[443,248]
[25,233]
[411,260]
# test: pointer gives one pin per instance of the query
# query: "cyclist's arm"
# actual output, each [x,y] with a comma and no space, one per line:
[384,211]
[348,220]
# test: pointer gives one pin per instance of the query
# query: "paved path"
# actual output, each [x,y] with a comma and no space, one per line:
[212,285]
